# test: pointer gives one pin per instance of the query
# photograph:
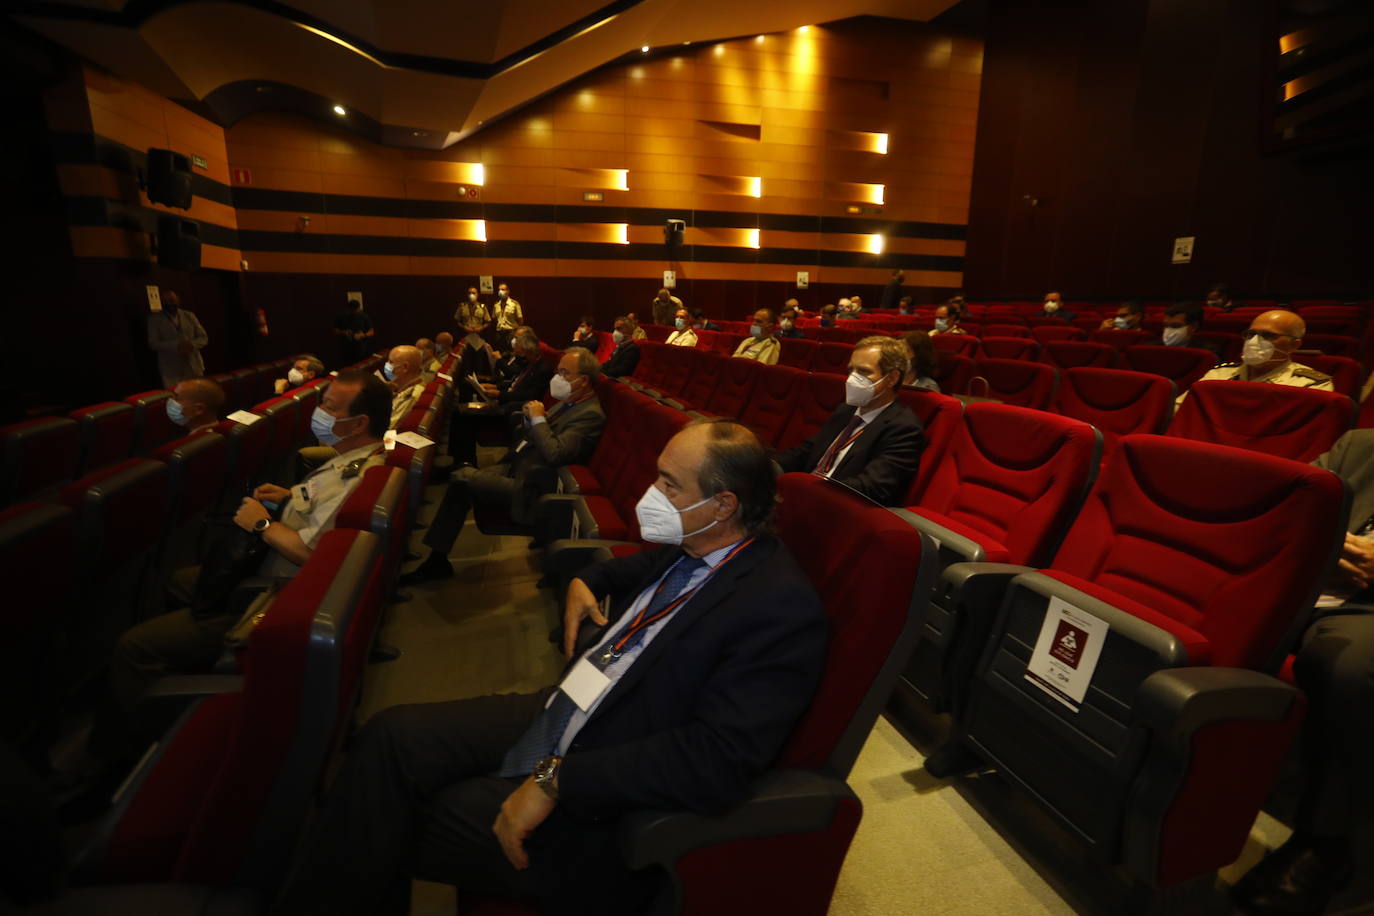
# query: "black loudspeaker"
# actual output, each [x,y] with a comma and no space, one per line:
[178,242]
[674,231]
[169,178]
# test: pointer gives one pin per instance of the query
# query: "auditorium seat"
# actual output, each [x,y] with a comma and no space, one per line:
[1116,401]
[1181,365]
[999,329]
[249,450]
[832,358]
[1226,343]
[771,401]
[1297,423]
[1330,322]
[152,427]
[1119,340]
[418,463]
[222,797]
[308,396]
[1013,381]
[963,344]
[1163,759]
[941,416]
[656,333]
[953,371]
[1008,347]
[797,352]
[1332,345]
[381,504]
[1347,375]
[1070,354]
[733,388]
[653,366]
[283,413]
[702,384]
[815,400]
[195,482]
[233,395]
[38,457]
[622,405]
[106,434]
[1059,331]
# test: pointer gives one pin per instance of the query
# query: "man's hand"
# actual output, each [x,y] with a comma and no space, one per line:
[271,493]
[491,390]
[521,812]
[1357,561]
[250,512]
[580,605]
[534,409]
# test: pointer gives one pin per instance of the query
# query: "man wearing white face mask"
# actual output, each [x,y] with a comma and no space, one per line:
[472,316]
[1054,308]
[872,443]
[1181,321]
[1128,317]
[305,368]
[1268,356]
[679,698]
[548,440]
[624,359]
[760,346]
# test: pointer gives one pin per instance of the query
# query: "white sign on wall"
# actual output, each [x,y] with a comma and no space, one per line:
[485,285]
[358,296]
[1065,655]
[803,279]
[154,298]
[670,279]
[1183,249]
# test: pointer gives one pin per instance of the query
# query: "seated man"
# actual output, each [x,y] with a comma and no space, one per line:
[1219,297]
[639,332]
[1128,318]
[701,323]
[625,357]
[1054,308]
[871,443]
[402,374]
[520,378]
[760,346]
[1181,321]
[846,310]
[787,327]
[684,335]
[585,335]
[1268,355]
[1335,667]
[827,315]
[443,347]
[683,697]
[947,318]
[351,417]
[305,368]
[567,435]
[904,306]
[195,404]
[428,364]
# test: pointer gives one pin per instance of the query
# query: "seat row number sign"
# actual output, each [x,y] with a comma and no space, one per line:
[1066,653]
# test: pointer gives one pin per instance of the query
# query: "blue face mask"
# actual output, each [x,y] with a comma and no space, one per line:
[175,413]
[322,426]
[389,371]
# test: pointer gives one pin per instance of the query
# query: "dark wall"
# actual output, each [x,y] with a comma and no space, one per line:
[1136,121]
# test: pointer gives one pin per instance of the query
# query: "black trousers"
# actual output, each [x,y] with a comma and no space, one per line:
[414,799]
[1336,668]
[466,486]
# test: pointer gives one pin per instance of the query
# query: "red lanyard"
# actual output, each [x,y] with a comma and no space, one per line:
[640,623]
[850,441]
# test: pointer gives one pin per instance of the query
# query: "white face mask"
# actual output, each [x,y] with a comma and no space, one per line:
[502,293]
[1257,351]
[295,376]
[472,297]
[756,331]
[942,324]
[1051,306]
[660,522]
[1175,337]
[560,387]
[1122,323]
[859,391]
[617,336]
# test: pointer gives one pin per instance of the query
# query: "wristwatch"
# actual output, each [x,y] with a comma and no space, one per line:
[261,525]
[546,775]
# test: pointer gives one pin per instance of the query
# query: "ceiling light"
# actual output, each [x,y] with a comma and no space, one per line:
[340,110]
[644,49]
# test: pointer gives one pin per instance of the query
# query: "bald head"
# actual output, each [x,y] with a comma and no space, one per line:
[444,340]
[1282,328]
[405,363]
[424,343]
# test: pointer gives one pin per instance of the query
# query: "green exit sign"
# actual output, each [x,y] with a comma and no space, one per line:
[199,162]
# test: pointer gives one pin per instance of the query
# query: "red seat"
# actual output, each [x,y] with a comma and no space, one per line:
[308,396]
[656,333]
[1004,330]
[1297,423]
[1119,340]
[1351,324]
[381,504]
[195,467]
[1052,333]
[940,416]
[1009,347]
[621,404]
[106,434]
[152,427]
[1332,345]
[734,387]
[797,352]
[771,401]
[1164,760]
[963,344]
[1347,375]
[38,456]
[283,413]
[1116,401]
[417,463]
[249,449]
[1226,343]
[702,384]
[953,371]
[1181,365]
[650,371]
[1013,381]
[815,400]
[234,396]
[1070,354]
[832,358]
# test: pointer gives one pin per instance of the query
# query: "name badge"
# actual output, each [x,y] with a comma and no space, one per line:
[585,684]
[305,492]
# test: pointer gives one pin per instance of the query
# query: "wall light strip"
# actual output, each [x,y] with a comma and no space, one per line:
[341,43]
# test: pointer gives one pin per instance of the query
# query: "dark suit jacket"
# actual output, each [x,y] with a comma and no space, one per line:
[623,360]
[568,437]
[1352,460]
[531,386]
[1063,314]
[709,704]
[790,333]
[880,462]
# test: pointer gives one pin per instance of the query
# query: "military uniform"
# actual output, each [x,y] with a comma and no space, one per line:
[404,399]
[764,350]
[684,338]
[1290,373]
[640,334]
[316,500]
[509,315]
[472,313]
[663,312]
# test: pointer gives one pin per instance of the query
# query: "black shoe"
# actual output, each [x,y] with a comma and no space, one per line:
[952,759]
[436,567]
[383,652]
[1297,879]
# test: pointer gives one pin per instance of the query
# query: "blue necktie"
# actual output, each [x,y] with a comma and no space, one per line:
[546,731]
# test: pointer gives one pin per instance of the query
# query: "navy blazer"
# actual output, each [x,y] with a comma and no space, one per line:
[708,705]
[881,461]
[624,359]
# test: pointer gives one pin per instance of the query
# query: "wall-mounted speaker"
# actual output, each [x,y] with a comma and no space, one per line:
[178,242]
[674,231]
[169,178]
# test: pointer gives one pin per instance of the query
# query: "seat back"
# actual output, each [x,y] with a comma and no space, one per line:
[963,344]
[249,447]
[1067,354]
[308,396]
[653,427]
[1181,365]
[815,400]
[1347,375]
[1014,381]
[771,401]
[37,455]
[679,365]
[940,416]
[381,504]
[1226,343]
[1297,423]
[797,352]
[1009,347]
[953,372]
[152,427]
[734,387]
[234,398]
[1116,401]
[702,384]
[284,415]
[874,605]
[1014,476]
[1051,333]
[195,467]
[416,462]
[1119,340]
[1005,330]
[1332,345]
[653,363]
[106,434]
[831,357]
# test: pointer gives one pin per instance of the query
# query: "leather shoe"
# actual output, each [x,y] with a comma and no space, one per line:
[952,759]
[436,567]
[1297,879]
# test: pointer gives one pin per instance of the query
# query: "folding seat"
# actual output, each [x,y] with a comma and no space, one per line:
[249,449]
[222,797]
[1052,333]
[308,396]
[649,372]
[605,346]
[261,381]
[733,388]
[1120,340]
[283,413]
[623,406]
[233,395]
[195,485]
[152,427]
[1014,381]
[1297,423]
[1227,323]
[771,400]
[702,383]
[953,371]
[106,435]
[1226,343]
[737,328]
[381,504]
[1009,347]
[682,364]
[962,344]
[38,456]
[1087,323]
[1347,375]
[1181,365]
[941,415]
[1035,322]
[1001,329]
[832,357]
[656,333]
[797,352]
[1332,345]
[1304,306]
[814,401]
[418,463]
[1340,325]
[1116,401]
[1122,688]
[1068,354]
[706,340]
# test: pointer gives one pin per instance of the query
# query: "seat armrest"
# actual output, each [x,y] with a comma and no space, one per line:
[554,515]
[977,585]
[191,686]
[1180,701]
[783,801]
[952,546]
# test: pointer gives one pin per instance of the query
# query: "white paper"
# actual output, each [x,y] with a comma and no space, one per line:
[477,387]
[389,439]
[245,417]
[1066,653]
[443,375]
[585,684]
[414,440]
[670,279]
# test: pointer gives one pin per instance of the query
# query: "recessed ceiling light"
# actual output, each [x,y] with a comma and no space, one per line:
[340,110]
[644,49]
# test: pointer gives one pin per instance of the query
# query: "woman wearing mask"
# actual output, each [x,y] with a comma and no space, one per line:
[924,362]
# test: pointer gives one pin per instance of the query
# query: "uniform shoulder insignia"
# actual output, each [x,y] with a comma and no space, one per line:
[1235,365]
[1308,372]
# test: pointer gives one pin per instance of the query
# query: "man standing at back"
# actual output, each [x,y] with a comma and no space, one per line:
[177,337]
[892,293]
[665,306]
[354,330]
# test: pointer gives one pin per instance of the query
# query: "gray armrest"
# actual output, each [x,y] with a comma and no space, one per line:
[193,685]
[553,515]
[783,802]
[952,547]
[1180,701]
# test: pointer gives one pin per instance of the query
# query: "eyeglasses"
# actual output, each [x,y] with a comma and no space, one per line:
[1267,335]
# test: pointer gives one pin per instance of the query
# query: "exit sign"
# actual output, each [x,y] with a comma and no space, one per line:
[593,196]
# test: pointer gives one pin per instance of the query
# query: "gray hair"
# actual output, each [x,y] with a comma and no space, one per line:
[586,362]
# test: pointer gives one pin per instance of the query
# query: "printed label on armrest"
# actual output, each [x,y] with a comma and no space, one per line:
[414,440]
[1066,653]
[245,417]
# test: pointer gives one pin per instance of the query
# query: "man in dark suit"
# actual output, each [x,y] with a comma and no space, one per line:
[520,794]
[545,441]
[521,377]
[625,357]
[892,292]
[1181,322]
[872,443]
[1335,667]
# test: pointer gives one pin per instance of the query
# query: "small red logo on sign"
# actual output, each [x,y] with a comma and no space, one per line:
[1068,645]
